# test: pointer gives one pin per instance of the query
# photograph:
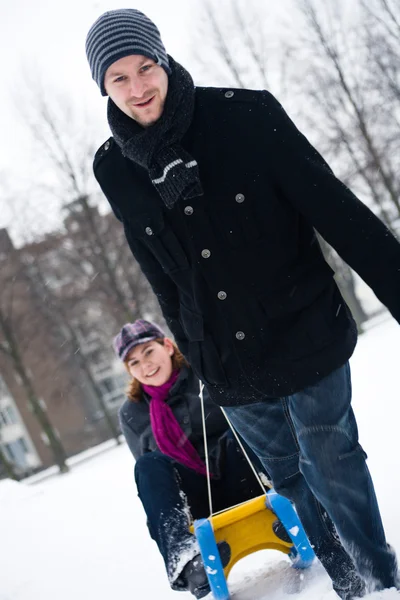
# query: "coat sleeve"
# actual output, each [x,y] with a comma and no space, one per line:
[163,287]
[131,436]
[161,284]
[348,225]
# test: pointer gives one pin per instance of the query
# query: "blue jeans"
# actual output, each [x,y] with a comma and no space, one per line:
[168,490]
[308,443]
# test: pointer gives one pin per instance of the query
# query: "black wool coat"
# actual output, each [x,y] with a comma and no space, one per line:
[183,400]
[238,272]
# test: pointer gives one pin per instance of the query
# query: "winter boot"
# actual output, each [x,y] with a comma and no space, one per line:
[357,589]
[194,573]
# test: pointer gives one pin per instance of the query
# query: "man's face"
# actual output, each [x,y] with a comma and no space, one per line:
[138,86]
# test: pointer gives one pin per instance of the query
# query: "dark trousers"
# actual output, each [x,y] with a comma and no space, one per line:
[168,491]
[308,443]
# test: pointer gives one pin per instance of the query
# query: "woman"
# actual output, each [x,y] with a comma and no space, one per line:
[162,424]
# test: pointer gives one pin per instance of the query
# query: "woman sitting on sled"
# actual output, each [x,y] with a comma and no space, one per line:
[162,424]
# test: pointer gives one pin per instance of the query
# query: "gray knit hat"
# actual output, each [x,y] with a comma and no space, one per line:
[119,33]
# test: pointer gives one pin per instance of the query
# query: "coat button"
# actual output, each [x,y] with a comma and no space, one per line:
[240,335]
[239,198]
[222,295]
[186,419]
[206,253]
[229,94]
[107,145]
[149,231]
[188,210]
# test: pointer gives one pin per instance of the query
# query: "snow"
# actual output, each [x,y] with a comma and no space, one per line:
[83,535]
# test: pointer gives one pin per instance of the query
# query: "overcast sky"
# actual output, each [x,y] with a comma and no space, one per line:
[45,39]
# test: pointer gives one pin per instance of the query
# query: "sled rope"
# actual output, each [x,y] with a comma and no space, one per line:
[203,418]
[256,475]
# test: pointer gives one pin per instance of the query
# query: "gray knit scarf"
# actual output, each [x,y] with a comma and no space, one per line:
[173,172]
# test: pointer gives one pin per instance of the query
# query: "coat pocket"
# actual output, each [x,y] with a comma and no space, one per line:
[307,330]
[297,289]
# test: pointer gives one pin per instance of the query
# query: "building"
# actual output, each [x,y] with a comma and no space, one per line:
[15,440]
[59,308]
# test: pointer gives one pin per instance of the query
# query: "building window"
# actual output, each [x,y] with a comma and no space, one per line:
[23,445]
[8,416]
[9,452]
[116,398]
[100,360]
[107,385]
[3,388]
[16,452]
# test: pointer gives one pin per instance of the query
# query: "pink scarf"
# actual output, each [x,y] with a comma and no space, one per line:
[167,432]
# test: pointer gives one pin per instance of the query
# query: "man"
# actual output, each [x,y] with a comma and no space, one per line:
[219,195]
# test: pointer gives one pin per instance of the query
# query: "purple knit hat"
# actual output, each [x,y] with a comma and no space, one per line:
[133,334]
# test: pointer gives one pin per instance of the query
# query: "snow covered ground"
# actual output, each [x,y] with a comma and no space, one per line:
[82,536]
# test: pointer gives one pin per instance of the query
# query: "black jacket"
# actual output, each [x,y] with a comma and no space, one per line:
[238,272]
[185,404]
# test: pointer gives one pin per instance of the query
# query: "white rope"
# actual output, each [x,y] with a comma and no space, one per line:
[206,452]
[256,475]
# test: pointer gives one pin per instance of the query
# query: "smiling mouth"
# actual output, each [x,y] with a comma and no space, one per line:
[152,373]
[145,103]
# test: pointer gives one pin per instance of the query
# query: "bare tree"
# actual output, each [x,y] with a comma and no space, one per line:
[89,246]
[65,139]
[348,83]
[381,33]
[64,134]
[10,346]
[55,311]
[237,46]
[359,120]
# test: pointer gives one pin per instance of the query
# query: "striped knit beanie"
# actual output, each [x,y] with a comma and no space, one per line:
[119,33]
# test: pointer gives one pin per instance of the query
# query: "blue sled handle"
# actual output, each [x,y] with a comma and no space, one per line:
[303,555]
[211,559]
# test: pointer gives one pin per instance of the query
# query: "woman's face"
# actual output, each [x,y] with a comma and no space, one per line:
[151,363]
